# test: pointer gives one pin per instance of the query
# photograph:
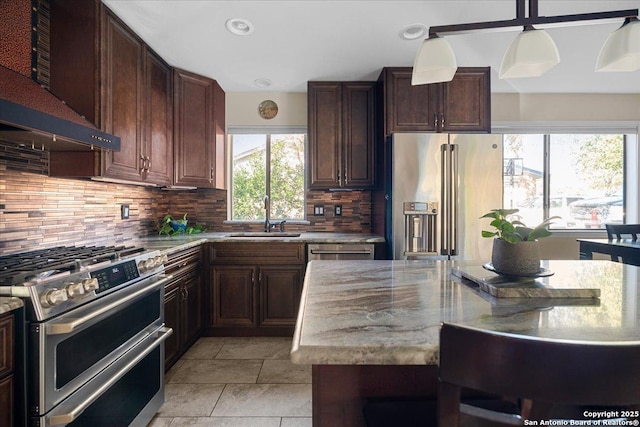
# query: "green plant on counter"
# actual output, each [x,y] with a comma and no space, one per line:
[172,227]
[515,231]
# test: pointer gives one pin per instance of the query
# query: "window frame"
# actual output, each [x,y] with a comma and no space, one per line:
[268,131]
[631,156]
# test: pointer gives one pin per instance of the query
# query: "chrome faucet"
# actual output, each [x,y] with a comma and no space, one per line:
[268,226]
[267,214]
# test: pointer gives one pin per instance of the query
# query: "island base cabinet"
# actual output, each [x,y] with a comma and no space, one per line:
[7,397]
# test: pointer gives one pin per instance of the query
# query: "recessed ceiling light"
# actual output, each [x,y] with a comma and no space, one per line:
[239,26]
[262,82]
[413,31]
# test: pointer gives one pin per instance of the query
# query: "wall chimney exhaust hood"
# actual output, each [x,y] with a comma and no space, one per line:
[32,116]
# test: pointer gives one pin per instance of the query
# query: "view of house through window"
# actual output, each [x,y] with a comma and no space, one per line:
[267,165]
[577,177]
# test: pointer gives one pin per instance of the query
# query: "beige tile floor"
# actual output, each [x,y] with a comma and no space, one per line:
[237,382]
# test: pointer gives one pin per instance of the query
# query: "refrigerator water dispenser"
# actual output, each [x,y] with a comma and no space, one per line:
[420,228]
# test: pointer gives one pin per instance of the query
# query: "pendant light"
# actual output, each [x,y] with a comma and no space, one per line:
[621,51]
[434,63]
[531,54]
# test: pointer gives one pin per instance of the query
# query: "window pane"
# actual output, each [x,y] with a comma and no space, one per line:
[287,176]
[586,180]
[523,176]
[248,176]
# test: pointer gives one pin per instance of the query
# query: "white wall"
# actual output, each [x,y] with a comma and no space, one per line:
[242,109]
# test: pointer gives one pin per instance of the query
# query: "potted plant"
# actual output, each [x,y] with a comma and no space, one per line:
[171,227]
[516,249]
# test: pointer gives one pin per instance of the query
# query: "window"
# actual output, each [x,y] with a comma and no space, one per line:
[267,164]
[578,177]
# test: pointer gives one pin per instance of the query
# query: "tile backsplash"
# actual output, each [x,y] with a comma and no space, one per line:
[37,211]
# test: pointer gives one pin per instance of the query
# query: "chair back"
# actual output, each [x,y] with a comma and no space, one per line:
[538,370]
[622,231]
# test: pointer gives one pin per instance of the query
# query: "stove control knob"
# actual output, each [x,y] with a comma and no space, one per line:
[53,297]
[74,290]
[142,267]
[90,284]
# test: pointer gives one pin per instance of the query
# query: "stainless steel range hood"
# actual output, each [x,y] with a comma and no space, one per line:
[31,115]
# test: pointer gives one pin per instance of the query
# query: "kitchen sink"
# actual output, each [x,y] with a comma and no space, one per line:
[263,234]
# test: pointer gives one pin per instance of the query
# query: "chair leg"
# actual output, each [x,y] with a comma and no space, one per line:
[448,405]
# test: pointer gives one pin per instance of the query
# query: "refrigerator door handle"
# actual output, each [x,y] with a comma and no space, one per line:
[453,195]
[449,198]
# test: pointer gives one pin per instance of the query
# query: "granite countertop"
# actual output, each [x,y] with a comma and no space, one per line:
[8,304]
[170,244]
[389,312]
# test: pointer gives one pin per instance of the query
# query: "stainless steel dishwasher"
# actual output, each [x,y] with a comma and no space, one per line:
[349,251]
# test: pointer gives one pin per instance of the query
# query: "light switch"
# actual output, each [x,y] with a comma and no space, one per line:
[338,210]
[124,211]
[318,210]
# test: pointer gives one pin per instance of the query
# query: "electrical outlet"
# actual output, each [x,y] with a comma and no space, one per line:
[318,210]
[338,210]
[124,211]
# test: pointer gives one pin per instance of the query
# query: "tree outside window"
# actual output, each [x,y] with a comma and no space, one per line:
[271,165]
[579,177]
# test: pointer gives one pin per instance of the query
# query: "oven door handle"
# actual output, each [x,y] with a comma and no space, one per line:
[64,419]
[68,327]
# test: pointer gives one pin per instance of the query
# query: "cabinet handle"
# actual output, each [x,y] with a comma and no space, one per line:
[346,176]
[142,164]
[252,278]
[442,120]
[211,175]
[260,278]
[339,181]
[186,293]
[148,164]
[435,120]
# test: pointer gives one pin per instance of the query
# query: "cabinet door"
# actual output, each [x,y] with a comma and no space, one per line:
[158,121]
[466,101]
[192,305]
[173,344]
[232,296]
[194,139]
[409,108]
[359,134]
[6,401]
[280,288]
[122,97]
[325,132]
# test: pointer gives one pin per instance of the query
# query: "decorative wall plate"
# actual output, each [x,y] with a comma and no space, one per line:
[268,109]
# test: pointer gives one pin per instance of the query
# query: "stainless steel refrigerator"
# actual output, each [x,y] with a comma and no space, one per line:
[461,173]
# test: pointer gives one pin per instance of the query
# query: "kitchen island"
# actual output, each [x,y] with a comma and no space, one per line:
[371,328]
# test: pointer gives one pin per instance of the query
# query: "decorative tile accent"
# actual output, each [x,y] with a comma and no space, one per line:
[38,211]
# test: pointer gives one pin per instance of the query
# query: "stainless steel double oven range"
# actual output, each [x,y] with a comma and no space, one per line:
[92,336]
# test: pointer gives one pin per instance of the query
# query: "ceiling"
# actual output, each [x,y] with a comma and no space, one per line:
[299,40]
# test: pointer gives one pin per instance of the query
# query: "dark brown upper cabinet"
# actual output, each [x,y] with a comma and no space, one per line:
[104,71]
[341,135]
[199,131]
[461,105]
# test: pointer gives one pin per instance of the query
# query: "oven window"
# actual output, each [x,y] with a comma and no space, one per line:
[80,351]
[119,405]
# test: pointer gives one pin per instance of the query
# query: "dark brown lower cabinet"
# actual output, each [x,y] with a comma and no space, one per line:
[183,301]
[6,369]
[254,289]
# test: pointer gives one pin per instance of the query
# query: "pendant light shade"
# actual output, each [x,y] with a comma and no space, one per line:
[621,51]
[434,63]
[531,54]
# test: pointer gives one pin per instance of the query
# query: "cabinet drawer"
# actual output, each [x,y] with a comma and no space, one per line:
[6,344]
[257,253]
[182,259]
